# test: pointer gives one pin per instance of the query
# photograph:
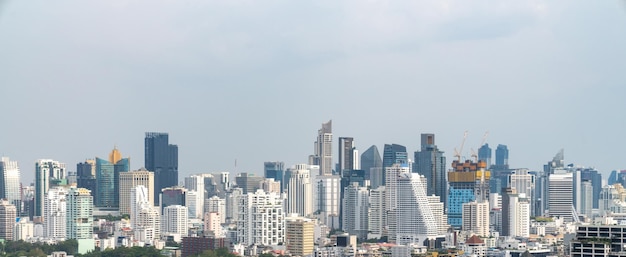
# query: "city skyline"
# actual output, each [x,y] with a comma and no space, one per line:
[539,77]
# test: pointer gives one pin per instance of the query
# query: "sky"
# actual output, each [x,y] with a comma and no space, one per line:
[253,81]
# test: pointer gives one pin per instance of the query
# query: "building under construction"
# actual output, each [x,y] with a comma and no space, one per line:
[468,181]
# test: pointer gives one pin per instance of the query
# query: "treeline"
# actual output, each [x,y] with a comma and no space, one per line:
[21,248]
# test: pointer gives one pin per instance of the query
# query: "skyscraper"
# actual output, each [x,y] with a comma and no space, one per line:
[80,218]
[391,202]
[476,218]
[393,154]
[523,183]
[323,153]
[276,170]
[377,214]
[131,179]
[327,199]
[372,164]
[299,235]
[161,157]
[248,182]
[348,155]
[299,190]
[261,219]
[484,154]
[595,178]
[560,195]
[431,163]
[502,156]
[10,181]
[45,171]
[108,178]
[55,214]
[355,210]
[415,220]
[8,213]
[86,175]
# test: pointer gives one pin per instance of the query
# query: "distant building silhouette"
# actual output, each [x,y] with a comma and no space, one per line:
[393,154]
[275,170]
[431,163]
[484,154]
[372,164]
[323,152]
[161,157]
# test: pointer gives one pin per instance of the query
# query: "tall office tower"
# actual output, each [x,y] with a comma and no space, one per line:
[595,178]
[194,204]
[261,219]
[213,224]
[393,154]
[586,206]
[523,183]
[355,210]
[327,193]
[484,154]
[270,185]
[79,220]
[560,194]
[175,220]
[372,164]
[415,219]
[55,214]
[299,235]
[431,163]
[217,205]
[131,179]
[231,201]
[248,182]
[441,219]
[275,170]
[348,155]
[10,181]
[323,154]
[45,171]
[108,179]
[377,214]
[476,218]
[161,157]
[468,181]
[502,157]
[172,196]
[391,177]
[86,175]
[8,213]
[299,190]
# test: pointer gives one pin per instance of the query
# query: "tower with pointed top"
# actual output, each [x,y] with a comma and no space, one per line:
[323,155]
[108,177]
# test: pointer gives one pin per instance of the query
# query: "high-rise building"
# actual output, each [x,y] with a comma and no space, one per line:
[231,205]
[79,204]
[476,218]
[55,214]
[175,220]
[502,156]
[431,163]
[299,190]
[524,183]
[560,195]
[348,155]
[415,221]
[323,153]
[299,235]
[441,219]
[86,175]
[469,181]
[391,202]
[248,182]
[270,185]
[586,207]
[140,197]
[173,196]
[131,179]
[327,199]
[372,164]
[161,157]
[217,205]
[213,224]
[194,204]
[8,213]
[393,154]
[108,179]
[484,154]
[515,213]
[10,181]
[24,228]
[46,170]
[261,219]
[595,178]
[275,170]
[355,210]
[145,219]
[377,213]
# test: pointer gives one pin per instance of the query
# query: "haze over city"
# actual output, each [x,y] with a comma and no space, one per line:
[252,81]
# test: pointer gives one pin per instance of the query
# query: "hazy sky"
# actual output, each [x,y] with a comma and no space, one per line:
[254,80]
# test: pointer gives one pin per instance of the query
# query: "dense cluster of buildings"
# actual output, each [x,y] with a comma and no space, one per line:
[365,204]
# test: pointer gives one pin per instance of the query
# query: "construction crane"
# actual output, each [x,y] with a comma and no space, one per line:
[457,154]
[474,155]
